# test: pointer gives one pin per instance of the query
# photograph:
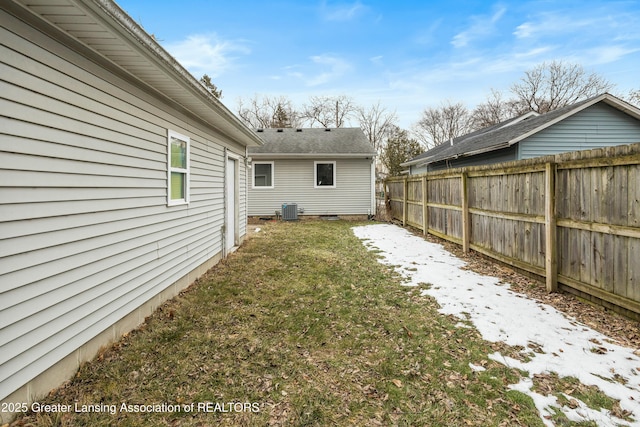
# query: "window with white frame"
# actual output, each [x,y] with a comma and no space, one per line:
[324,175]
[263,174]
[178,170]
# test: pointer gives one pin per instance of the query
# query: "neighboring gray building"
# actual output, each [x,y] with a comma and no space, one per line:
[120,174]
[324,171]
[601,121]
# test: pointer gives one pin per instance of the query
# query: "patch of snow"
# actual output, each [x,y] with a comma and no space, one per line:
[552,341]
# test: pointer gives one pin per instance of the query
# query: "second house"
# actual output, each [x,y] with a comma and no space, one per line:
[322,171]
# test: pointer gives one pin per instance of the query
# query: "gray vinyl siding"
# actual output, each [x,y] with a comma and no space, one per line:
[293,183]
[85,233]
[597,126]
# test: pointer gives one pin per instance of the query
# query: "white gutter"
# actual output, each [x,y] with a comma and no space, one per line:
[255,155]
[415,162]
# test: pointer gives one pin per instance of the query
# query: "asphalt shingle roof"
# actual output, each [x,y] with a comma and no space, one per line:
[342,141]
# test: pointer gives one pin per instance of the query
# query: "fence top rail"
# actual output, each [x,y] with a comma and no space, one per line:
[396,178]
[601,162]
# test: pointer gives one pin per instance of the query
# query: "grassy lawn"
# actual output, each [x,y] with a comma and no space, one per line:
[301,326]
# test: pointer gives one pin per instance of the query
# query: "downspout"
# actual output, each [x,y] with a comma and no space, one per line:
[225,203]
[246,190]
[373,188]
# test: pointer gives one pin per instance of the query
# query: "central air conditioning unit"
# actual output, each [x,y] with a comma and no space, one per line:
[290,212]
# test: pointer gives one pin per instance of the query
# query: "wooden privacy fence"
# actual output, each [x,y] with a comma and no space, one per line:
[572,218]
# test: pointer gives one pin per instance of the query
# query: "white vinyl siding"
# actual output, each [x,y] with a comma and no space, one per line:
[86,235]
[597,126]
[294,183]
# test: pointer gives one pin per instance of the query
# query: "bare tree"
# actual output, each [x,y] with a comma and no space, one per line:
[544,88]
[439,125]
[328,111]
[375,122]
[553,85]
[634,97]
[494,110]
[268,112]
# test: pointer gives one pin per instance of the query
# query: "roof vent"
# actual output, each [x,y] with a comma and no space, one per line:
[279,130]
[327,129]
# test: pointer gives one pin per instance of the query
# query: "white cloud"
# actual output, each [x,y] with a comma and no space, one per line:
[524,30]
[202,54]
[553,24]
[342,12]
[461,39]
[377,60]
[325,68]
[588,23]
[535,52]
[481,27]
[588,37]
[607,54]
[428,36]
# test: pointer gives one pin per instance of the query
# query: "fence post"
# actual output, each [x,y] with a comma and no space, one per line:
[551,256]
[425,208]
[405,200]
[465,213]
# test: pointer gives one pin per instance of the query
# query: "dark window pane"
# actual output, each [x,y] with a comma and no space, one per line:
[324,174]
[263,175]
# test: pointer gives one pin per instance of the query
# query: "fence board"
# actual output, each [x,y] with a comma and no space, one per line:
[584,256]
[596,273]
[633,199]
[563,190]
[619,203]
[608,267]
[633,282]
[621,261]
[591,230]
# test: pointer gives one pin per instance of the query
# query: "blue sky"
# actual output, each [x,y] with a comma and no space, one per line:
[408,55]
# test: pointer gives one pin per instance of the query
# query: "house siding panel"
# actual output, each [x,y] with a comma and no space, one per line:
[293,183]
[597,126]
[85,234]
